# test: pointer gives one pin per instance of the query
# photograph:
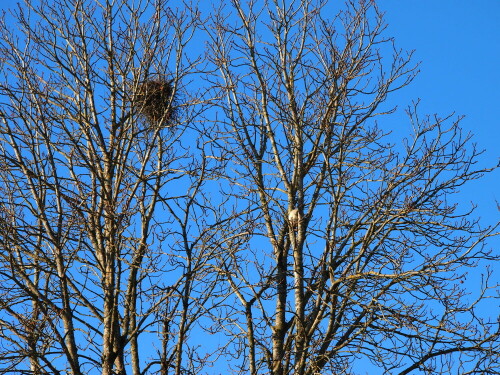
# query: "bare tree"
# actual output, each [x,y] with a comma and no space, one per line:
[353,248]
[103,266]
[154,195]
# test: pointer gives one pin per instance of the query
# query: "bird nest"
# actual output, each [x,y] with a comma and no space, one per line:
[155,101]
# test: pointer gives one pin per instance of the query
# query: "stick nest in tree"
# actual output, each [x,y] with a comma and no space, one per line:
[155,101]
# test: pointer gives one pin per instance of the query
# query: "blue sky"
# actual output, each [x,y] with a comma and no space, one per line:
[458,44]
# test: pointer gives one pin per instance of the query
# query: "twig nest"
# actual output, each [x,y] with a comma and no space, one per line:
[155,101]
[294,217]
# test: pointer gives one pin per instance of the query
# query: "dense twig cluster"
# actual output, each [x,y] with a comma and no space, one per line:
[155,101]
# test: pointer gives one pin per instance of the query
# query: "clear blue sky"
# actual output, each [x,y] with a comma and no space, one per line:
[458,44]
